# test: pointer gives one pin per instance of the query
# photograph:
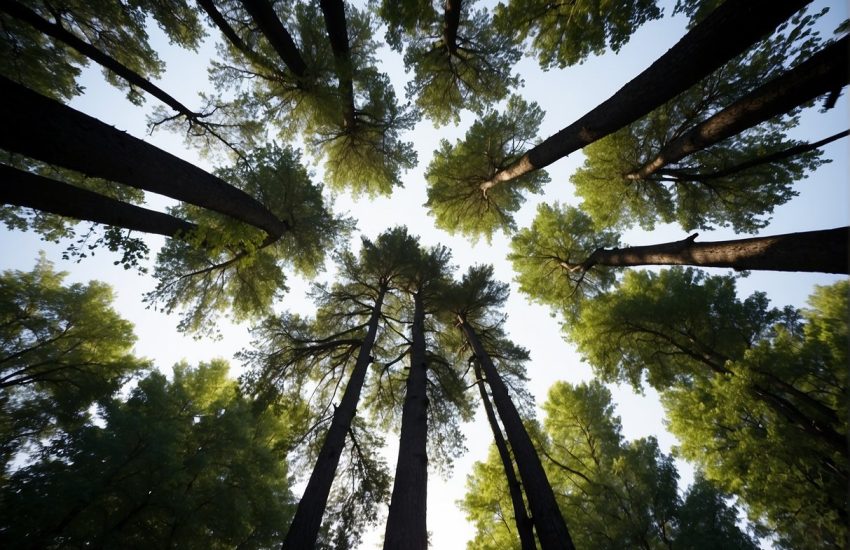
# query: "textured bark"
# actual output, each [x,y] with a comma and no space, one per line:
[58,32]
[337,29]
[263,14]
[308,516]
[33,191]
[827,70]
[406,527]
[551,529]
[727,32]
[778,156]
[524,526]
[824,251]
[451,22]
[44,129]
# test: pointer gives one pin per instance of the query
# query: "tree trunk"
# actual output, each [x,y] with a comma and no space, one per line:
[727,32]
[827,70]
[551,529]
[451,22]
[524,525]
[824,251]
[33,191]
[308,516]
[218,19]
[44,129]
[337,29]
[263,14]
[791,152]
[406,528]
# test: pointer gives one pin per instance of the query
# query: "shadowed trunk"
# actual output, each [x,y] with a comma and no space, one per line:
[791,152]
[33,191]
[44,129]
[406,528]
[263,14]
[727,32]
[451,22]
[524,525]
[308,516]
[551,529]
[824,251]
[335,23]
[827,70]
[219,20]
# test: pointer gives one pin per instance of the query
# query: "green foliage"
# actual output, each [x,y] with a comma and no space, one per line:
[547,258]
[61,348]
[566,33]
[710,187]
[494,141]
[186,463]
[613,494]
[739,380]
[230,266]
[116,28]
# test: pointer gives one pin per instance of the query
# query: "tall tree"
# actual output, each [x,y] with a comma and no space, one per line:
[475,299]
[458,60]
[62,347]
[186,462]
[727,32]
[739,380]
[454,176]
[406,520]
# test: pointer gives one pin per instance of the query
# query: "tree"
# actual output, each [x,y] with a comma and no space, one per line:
[565,34]
[458,61]
[474,300]
[695,56]
[62,347]
[186,463]
[454,197]
[738,379]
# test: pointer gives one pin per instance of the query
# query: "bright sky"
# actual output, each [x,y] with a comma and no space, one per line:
[564,95]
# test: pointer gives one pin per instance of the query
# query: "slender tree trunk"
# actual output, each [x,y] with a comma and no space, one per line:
[551,529]
[827,70]
[524,526]
[451,22]
[779,156]
[727,32]
[308,517]
[33,191]
[219,20]
[406,528]
[263,14]
[824,251]
[44,129]
[337,29]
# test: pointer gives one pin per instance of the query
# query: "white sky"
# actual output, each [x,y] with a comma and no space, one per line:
[564,95]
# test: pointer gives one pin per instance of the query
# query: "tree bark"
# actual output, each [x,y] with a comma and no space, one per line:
[263,14]
[219,20]
[551,529]
[308,516]
[451,23]
[337,29]
[791,152]
[823,251]
[33,191]
[727,32]
[44,129]
[524,525]
[827,70]
[406,526]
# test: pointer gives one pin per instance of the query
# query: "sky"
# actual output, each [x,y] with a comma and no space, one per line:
[565,95]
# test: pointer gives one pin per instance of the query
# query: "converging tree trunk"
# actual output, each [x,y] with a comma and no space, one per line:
[30,190]
[44,129]
[824,72]
[524,524]
[337,29]
[551,529]
[451,22]
[406,524]
[263,14]
[308,516]
[824,251]
[727,32]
